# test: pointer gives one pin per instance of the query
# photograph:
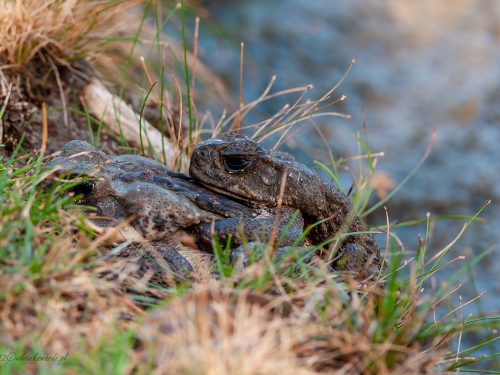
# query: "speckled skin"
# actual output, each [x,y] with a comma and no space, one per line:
[258,184]
[164,205]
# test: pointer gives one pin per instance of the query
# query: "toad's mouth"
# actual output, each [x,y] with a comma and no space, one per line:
[114,230]
[215,185]
[220,189]
[102,221]
[247,198]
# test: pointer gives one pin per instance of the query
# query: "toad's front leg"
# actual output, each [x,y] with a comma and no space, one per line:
[287,228]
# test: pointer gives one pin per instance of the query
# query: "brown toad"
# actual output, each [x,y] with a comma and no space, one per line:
[238,167]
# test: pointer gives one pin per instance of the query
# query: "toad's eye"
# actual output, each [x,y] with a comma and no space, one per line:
[236,164]
[84,189]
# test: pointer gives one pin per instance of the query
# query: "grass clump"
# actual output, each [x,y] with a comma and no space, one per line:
[64,31]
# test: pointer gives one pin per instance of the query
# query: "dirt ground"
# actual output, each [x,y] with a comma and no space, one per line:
[23,114]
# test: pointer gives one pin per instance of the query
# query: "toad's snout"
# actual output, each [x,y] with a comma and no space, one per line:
[203,160]
[199,158]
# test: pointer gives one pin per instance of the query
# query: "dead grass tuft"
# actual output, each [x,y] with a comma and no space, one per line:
[217,330]
[62,302]
[65,31]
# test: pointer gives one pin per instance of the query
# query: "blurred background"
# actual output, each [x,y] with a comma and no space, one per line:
[420,65]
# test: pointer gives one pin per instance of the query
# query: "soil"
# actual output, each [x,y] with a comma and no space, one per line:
[22,119]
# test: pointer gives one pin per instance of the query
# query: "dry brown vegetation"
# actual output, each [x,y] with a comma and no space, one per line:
[44,54]
[66,31]
[221,331]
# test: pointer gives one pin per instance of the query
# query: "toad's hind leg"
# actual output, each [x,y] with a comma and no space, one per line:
[241,257]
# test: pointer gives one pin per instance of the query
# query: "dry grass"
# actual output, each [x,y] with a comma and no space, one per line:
[57,309]
[65,31]
[223,331]
[68,307]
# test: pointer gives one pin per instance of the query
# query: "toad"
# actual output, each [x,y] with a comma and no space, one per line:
[238,167]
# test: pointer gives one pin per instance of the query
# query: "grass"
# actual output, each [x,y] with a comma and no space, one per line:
[61,30]
[63,295]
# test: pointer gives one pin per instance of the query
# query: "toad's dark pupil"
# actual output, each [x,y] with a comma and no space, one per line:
[236,164]
[83,189]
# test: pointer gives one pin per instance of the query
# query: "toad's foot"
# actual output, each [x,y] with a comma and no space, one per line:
[285,256]
[158,263]
[355,259]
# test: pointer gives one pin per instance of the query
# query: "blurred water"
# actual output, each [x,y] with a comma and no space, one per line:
[420,65]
